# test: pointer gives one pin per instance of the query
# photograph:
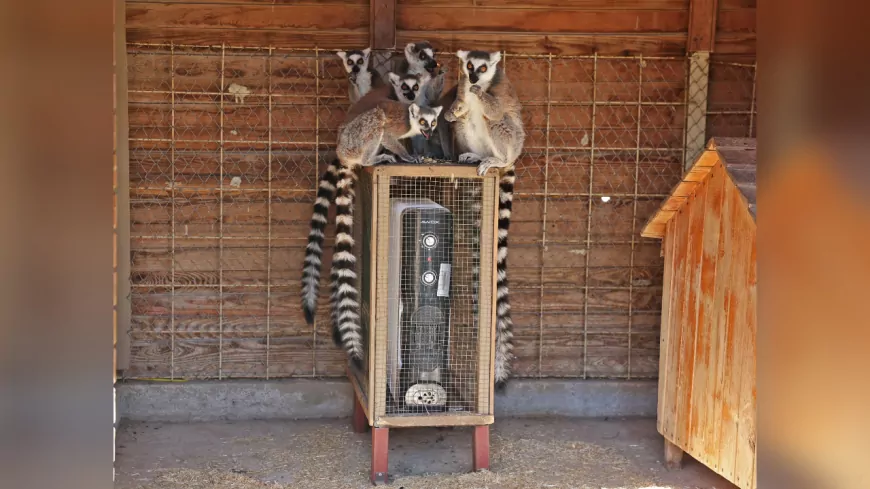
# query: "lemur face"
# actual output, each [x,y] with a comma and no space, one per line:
[407,87]
[421,54]
[423,119]
[480,66]
[355,60]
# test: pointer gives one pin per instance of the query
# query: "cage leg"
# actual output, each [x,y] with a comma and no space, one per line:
[380,455]
[360,422]
[673,455]
[480,447]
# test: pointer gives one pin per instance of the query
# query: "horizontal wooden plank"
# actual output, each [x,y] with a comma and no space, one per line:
[423,18]
[329,17]
[736,43]
[546,4]
[664,44]
[282,38]
[252,2]
[736,20]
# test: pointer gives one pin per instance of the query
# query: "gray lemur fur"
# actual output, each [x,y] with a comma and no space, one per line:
[361,77]
[487,123]
[372,123]
[420,58]
[486,113]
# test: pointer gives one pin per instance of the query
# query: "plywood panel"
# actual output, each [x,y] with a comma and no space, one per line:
[736,306]
[704,372]
[689,320]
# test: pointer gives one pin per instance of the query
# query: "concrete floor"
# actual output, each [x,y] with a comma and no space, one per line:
[325,454]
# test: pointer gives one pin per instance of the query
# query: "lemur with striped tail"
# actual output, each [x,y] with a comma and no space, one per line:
[372,123]
[488,127]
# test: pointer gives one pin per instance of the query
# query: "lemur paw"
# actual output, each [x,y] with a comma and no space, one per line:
[456,112]
[413,159]
[383,159]
[469,159]
[475,89]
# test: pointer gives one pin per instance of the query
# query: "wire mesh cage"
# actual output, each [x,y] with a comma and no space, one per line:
[425,241]
[227,145]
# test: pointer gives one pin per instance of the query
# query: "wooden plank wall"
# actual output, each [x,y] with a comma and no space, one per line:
[216,261]
[707,379]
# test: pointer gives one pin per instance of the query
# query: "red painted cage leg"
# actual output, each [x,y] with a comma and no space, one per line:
[380,454]
[480,447]
[360,422]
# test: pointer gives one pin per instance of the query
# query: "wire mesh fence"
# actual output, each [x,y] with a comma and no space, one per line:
[226,148]
[732,109]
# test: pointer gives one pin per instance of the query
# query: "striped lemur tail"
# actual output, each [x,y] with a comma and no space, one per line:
[336,183]
[314,249]
[504,348]
[504,325]
[347,330]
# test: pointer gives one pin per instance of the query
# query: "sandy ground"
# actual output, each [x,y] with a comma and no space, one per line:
[553,453]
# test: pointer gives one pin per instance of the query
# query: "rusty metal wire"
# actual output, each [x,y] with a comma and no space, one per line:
[227,145]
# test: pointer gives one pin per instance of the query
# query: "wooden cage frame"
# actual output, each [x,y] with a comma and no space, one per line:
[370,388]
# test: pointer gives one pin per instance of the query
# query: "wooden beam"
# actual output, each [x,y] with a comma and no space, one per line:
[383,24]
[122,154]
[702,25]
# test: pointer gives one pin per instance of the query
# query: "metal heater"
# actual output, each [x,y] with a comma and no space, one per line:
[420,264]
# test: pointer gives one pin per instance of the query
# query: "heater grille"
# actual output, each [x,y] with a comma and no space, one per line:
[433,259]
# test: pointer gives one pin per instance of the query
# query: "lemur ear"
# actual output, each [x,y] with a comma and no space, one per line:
[437,111]
[414,111]
[409,48]
[394,78]
[342,55]
[462,54]
[366,52]
[495,57]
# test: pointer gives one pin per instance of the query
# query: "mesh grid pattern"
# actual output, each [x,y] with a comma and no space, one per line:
[226,148]
[432,226]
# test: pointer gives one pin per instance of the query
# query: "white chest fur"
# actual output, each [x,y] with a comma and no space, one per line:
[476,128]
[363,83]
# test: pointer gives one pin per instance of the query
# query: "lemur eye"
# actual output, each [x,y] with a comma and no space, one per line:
[423,55]
[470,66]
[434,123]
[360,61]
[350,62]
[416,87]
[404,86]
[422,121]
[483,69]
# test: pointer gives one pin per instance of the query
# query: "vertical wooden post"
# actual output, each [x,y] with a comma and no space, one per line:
[360,422]
[480,447]
[382,24]
[122,155]
[699,45]
[673,456]
[380,455]
[696,107]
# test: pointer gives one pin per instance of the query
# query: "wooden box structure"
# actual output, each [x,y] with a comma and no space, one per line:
[707,380]
[466,335]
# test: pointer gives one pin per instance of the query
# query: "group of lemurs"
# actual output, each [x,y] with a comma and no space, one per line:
[480,116]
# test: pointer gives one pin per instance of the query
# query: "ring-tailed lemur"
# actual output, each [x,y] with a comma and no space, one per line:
[489,131]
[362,78]
[371,124]
[420,58]
[408,88]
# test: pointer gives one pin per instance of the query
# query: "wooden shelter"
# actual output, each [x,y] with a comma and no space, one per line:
[707,379]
